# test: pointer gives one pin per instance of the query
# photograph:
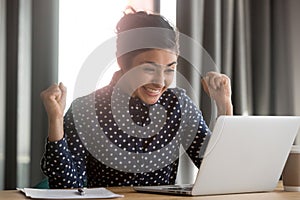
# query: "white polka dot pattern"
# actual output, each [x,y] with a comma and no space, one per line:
[100,150]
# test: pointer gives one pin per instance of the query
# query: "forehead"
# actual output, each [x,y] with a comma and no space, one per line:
[159,56]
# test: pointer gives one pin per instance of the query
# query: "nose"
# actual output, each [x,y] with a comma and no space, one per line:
[159,78]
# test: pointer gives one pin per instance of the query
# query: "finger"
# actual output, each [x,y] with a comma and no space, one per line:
[63,89]
[53,92]
[212,81]
[53,89]
[204,85]
[209,80]
[63,97]
[44,93]
[218,82]
[224,81]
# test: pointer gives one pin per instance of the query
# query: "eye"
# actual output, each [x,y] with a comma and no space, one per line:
[149,69]
[170,70]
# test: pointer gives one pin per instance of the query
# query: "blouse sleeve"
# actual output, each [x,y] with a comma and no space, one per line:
[64,161]
[196,131]
[199,143]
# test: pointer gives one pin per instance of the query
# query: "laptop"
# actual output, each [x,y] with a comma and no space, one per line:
[244,154]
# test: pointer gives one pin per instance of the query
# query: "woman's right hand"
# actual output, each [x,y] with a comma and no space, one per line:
[54,100]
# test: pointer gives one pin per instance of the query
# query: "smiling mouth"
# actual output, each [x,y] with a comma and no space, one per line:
[152,91]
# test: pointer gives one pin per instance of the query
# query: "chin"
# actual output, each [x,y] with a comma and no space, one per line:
[150,101]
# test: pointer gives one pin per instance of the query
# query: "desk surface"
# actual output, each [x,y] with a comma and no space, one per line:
[129,193]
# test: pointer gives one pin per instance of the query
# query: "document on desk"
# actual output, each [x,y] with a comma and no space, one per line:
[100,193]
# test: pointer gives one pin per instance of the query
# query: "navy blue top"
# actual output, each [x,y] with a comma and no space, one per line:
[112,139]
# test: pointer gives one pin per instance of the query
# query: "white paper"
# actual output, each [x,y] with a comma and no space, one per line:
[100,193]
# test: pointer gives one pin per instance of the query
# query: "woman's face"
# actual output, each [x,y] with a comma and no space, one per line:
[156,69]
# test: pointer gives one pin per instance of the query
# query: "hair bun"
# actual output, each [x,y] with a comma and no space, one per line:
[129,10]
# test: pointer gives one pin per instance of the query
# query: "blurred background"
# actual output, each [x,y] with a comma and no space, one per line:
[255,42]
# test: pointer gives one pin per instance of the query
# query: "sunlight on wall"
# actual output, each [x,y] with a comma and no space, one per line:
[168,10]
[84,25]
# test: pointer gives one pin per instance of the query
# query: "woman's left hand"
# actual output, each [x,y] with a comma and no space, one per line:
[218,87]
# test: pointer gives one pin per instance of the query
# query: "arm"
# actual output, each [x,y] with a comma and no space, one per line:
[64,158]
[218,87]
[201,138]
[194,130]
[54,100]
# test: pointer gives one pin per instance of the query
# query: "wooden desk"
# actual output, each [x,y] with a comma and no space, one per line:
[129,193]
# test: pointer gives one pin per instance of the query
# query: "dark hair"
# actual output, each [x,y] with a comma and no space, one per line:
[144,31]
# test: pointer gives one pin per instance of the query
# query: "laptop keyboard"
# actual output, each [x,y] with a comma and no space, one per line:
[180,187]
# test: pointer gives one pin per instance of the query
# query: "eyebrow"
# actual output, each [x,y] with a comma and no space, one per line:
[156,64]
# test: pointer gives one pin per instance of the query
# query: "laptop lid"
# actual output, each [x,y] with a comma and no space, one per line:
[246,154]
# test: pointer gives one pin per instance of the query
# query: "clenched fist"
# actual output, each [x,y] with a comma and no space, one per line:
[54,99]
[218,87]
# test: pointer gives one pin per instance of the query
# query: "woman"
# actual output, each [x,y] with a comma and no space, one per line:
[129,132]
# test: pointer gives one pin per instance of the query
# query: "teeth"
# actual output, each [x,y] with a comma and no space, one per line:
[153,90]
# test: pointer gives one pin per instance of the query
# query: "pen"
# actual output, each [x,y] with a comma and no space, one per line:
[81,191]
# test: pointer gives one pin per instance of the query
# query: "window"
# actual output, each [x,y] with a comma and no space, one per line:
[168,10]
[84,25]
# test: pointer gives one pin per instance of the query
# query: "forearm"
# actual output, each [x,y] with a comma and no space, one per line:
[225,108]
[55,129]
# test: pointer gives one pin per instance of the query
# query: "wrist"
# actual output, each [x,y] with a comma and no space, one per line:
[225,108]
[55,129]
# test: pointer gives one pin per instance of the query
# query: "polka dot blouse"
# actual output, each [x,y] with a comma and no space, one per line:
[112,139]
